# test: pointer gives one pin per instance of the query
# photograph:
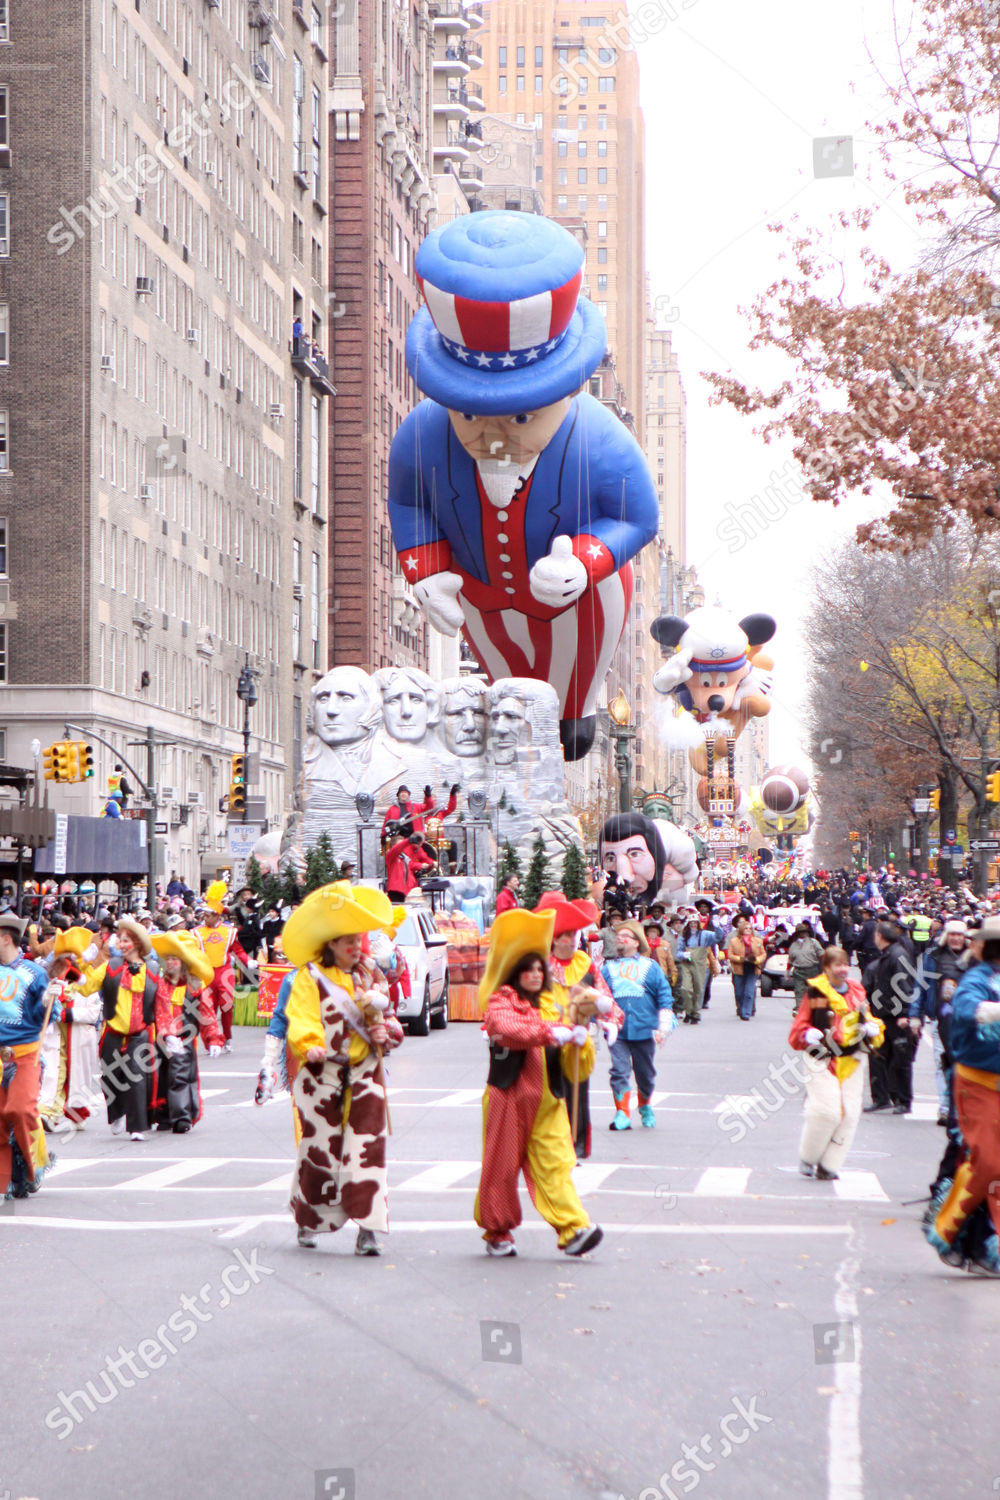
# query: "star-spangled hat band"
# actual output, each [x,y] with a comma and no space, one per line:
[504,329]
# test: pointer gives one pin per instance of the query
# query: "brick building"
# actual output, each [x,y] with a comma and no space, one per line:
[163,486]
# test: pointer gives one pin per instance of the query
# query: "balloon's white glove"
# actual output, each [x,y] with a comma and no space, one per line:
[579,1036]
[673,672]
[611,1032]
[561,1035]
[90,953]
[559,579]
[438,598]
[604,1005]
[813,1036]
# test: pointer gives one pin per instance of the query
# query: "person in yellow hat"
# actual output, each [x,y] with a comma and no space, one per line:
[183,1014]
[71,1080]
[525,1124]
[218,942]
[337,1029]
[570,966]
[127,988]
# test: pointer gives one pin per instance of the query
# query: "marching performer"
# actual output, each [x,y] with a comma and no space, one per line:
[218,941]
[570,966]
[643,991]
[337,1029]
[183,1014]
[128,1060]
[24,1008]
[525,1124]
[835,1028]
[72,1090]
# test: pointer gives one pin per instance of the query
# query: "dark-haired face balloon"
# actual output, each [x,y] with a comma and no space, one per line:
[632,861]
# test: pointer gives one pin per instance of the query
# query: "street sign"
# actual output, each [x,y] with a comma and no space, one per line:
[990,846]
[61,840]
[162,827]
[949,837]
[241,839]
[921,805]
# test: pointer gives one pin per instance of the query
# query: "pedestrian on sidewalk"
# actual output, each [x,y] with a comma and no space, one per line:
[339,1089]
[642,990]
[834,1027]
[526,1127]
[746,959]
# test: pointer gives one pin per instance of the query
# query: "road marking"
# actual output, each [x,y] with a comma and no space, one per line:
[860,1187]
[412,1226]
[460,1097]
[844,1468]
[64,1165]
[276,1184]
[169,1176]
[211,1093]
[923,1111]
[589,1175]
[722,1182]
[444,1174]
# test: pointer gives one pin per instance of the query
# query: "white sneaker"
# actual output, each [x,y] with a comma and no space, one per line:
[137,1135]
[227,1047]
[118,1126]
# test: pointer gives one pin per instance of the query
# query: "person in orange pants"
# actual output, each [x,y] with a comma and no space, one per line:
[23,1017]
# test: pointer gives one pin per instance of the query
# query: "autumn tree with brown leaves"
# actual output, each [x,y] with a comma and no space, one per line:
[897,387]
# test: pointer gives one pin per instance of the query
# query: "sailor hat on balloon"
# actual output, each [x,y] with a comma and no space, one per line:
[504,329]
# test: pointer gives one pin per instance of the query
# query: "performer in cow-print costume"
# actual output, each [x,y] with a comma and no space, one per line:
[339,1092]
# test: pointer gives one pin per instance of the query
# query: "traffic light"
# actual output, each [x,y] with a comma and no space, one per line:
[935,801]
[854,836]
[238,784]
[67,766]
[85,759]
[993,787]
[49,763]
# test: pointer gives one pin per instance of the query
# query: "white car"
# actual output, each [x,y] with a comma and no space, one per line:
[775,975]
[426,953]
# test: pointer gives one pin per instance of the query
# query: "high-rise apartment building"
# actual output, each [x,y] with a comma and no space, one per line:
[404,131]
[163,383]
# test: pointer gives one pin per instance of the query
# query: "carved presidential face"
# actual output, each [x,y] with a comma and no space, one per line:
[407,708]
[465,722]
[508,727]
[342,706]
[515,439]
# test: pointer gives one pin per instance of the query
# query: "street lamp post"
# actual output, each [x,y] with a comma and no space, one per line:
[246,692]
[620,713]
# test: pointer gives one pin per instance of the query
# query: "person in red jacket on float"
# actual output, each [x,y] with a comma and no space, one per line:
[403,859]
[403,810]
[508,898]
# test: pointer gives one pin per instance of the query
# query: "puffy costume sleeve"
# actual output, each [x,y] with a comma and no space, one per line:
[305,1027]
[514,1022]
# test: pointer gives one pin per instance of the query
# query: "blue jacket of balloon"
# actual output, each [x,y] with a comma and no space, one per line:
[591,480]
[974,1045]
[642,990]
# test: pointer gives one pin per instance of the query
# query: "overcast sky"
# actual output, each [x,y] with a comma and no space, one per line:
[734,96]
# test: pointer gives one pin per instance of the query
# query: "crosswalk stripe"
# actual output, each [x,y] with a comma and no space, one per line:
[66,1165]
[860,1187]
[443,1175]
[170,1176]
[459,1097]
[275,1185]
[589,1175]
[722,1182]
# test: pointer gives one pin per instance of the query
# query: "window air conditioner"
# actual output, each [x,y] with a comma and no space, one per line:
[192,335]
[276,410]
[143,286]
[145,492]
[108,363]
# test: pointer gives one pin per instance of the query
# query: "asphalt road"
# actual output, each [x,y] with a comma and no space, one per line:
[741,1332]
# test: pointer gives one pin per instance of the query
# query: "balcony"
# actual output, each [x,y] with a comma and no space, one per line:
[453,60]
[450,17]
[470,175]
[307,359]
[473,135]
[474,54]
[452,104]
[452,143]
[475,96]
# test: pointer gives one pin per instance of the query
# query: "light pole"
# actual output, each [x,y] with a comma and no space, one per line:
[246,692]
[620,713]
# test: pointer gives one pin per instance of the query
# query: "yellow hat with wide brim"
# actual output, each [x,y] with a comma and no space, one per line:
[399,916]
[513,934]
[75,940]
[334,911]
[186,949]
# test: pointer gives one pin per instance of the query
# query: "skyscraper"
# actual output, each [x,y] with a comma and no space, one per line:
[163,247]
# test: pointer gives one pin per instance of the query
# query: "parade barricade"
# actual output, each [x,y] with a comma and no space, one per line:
[271,976]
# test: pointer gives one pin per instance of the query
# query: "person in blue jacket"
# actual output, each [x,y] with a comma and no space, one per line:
[643,991]
[975,1047]
[23,1010]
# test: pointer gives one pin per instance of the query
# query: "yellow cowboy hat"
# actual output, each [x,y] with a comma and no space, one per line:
[186,949]
[334,911]
[75,941]
[215,895]
[399,916]
[513,934]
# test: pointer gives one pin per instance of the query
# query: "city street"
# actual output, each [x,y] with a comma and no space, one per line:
[740,1330]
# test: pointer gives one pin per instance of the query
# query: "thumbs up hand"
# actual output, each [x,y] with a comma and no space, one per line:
[559,579]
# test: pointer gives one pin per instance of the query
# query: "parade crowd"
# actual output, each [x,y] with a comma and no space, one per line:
[107,1012]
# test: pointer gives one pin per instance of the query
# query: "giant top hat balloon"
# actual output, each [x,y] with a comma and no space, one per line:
[504,329]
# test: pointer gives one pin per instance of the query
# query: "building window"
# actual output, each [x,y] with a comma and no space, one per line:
[606,54]
[605,85]
[4,444]
[4,117]
[562,177]
[581,176]
[297,440]
[539,53]
[3,654]
[519,119]
[602,174]
[602,282]
[581,205]
[317,143]
[4,225]
[538,122]
[602,121]
[602,255]
[502,57]
[3,547]
[520,83]
[602,229]
[502,84]
[296,601]
[581,148]
[314,608]
[5,21]
[602,148]
[562,149]
[520,57]
[4,333]
[317,454]
[538,83]
[316,27]
[582,85]
[561,205]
